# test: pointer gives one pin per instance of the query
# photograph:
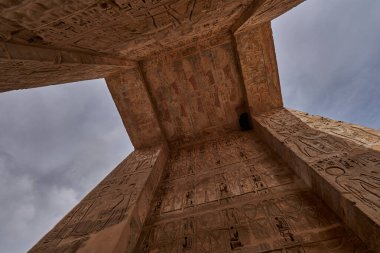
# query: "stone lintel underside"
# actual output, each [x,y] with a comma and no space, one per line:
[24,66]
[196,89]
[257,60]
[263,11]
[129,92]
[110,218]
[339,161]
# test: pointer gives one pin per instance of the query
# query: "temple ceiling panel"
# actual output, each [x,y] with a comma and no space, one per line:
[197,90]
[121,29]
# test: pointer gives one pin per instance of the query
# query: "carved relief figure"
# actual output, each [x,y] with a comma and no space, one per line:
[363,186]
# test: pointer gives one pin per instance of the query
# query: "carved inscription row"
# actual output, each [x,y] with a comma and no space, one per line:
[234,195]
[359,134]
[336,159]
[131,97]
[259,68]
[112,202]
[196,90]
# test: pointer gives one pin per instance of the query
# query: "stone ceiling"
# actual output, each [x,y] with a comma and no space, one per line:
[178,70]
[133,28]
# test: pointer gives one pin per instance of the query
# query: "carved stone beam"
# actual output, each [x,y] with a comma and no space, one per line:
[262,11]
[25,66]
[257,60]
[133,101]
[339,161]
[111,216]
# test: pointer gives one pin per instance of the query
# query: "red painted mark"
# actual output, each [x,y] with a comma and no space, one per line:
[227,72]
[210,77]
[200,105]
[233,95]
[193,82]
[183,111]
[175,87]
[165,112]
[217,101]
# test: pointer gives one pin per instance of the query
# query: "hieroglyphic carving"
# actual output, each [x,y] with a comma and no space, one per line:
[220,193]
[134,28]
[129,92]
[338,164]
[122,197]
[359,134]
[259,68]
[233,195]
[26,66]
[196,90]
[357,176]
[308,143]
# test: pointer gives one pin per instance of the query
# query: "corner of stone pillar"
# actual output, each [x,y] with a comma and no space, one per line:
[339,161]
[258,64]
[111,217]
[132,100]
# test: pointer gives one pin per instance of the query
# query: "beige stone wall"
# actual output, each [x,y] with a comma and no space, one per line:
[201,64]
[110,218]
[361,135]
[335,159]
[234,195]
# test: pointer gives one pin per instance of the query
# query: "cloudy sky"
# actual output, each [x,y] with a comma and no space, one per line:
[328,52]
[58,142]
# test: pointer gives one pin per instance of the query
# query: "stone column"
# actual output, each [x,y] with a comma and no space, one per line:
[110,218]
[339,161]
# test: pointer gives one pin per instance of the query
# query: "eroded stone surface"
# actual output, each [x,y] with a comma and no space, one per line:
[259,69]
[133,29]
[116,208]
[196,90]
[131,97]
[334,162]
[28,67]
[234,195]
[364,136]
[201,65]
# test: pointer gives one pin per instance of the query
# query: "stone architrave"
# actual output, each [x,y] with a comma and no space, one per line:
[339,161]
[26,66]
[258,65]
[131,97]
[110,218]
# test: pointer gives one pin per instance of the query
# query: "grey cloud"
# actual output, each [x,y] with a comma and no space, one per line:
[327,53]
[56,144]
